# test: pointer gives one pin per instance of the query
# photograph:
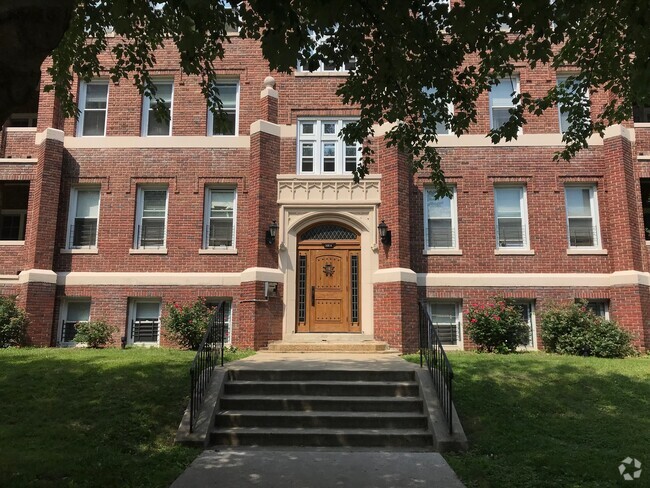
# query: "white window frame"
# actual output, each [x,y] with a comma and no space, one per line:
[517,90]
[595,218]
[210,124]
[532,323]
[454,220]
[458,308]
[206,218]
[146,105]
[63,315]
[321,66]
[82,106]
[318,139]
[139,214]
[133,303]
[523,207]
[72,213]
[560,78]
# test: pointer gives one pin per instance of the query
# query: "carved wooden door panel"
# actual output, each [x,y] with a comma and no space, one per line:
[330,291]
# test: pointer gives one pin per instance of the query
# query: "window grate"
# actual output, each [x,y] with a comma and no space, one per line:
[328,232]
[354,264]
[302,282]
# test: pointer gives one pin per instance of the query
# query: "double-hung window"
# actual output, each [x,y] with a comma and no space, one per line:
[442,127]
[501,95]
[93,103]
[446,320]
[440,221]
[527,310]
[582,216]
[220,208]
[511,218]
[83,218]
[228,126]
[563,80]
[151,222]
[144,326]
[151,124]
[227,308]
[322,151]
[73,311]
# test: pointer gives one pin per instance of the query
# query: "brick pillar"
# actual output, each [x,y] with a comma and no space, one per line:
[260,319]
[396,314]
[38,279]
[625,241]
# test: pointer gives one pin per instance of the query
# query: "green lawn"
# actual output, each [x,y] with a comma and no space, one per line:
[539,420]
[79,417]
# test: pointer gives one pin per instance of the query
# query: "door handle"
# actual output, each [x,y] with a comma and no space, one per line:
[313,296]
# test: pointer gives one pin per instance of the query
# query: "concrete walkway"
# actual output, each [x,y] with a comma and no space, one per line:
[310,468]
[319,467]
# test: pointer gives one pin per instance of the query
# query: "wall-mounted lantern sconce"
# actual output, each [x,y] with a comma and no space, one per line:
[272,232]
[384,233]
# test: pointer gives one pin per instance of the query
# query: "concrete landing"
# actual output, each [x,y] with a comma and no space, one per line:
[312,468]
[329,343]
[324,361]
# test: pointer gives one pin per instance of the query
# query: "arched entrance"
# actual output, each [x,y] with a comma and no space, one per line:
[328,279]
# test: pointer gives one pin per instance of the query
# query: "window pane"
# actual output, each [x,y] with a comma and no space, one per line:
[444,319]
[441,233]
[164,91]
[228,95]
[220,233]
[508,202]
[307,127]
[96,95]
[154,203]
[351,158]
[94,123]
[502,93]
[147,310]
[78,311]
[222,203]
[578,202]
[226,126]
[329,128]
[329,157]
[87,203]
[152,232]
[510,233]
[438,208]
[157,128]
[581,232]
[499,117]
[308,157]
[84,232]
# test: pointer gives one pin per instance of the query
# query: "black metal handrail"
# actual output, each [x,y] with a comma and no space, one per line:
[208,355]
[433,353]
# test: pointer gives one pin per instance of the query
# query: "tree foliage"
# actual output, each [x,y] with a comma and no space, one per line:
[413,57]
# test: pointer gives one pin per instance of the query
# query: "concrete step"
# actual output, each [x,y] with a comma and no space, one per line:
[321,403]
[243,436]
[318,375]
[323,388]
[329,346]
[321,420]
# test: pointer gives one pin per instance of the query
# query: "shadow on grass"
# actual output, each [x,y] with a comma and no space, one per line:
[92,418]
[537,420]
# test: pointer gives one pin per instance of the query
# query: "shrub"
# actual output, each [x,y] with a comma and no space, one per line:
[186,324]
[574,329]
[95,334]
[498,327]
[13,323]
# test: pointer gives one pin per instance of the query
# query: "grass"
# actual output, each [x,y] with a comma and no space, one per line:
[81,417]
[541,420]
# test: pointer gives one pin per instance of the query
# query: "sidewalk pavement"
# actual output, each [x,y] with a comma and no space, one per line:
[313,468]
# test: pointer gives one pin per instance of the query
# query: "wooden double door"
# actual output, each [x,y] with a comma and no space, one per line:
[328,287]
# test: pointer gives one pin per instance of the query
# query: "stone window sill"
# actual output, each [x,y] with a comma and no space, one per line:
[91,250]
[514,252]
[12,243]
[321,73]
[218,251]
[162,250]
[442,252]
[586,251]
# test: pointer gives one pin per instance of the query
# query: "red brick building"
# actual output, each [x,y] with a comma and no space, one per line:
[116,214]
